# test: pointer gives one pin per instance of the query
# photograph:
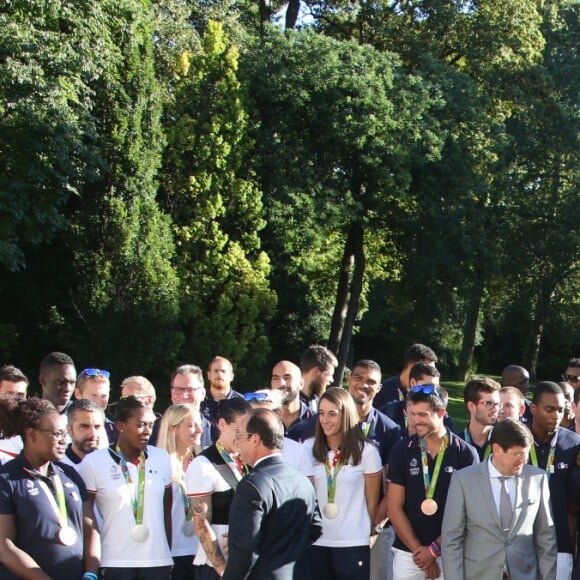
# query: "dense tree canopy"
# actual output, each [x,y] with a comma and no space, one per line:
[181,179]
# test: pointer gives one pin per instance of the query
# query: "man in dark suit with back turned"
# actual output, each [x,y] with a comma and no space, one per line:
[274,516]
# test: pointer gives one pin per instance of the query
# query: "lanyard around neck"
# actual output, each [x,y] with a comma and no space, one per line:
[137,500]
[431,483]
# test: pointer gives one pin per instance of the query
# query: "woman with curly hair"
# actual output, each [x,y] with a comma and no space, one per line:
[46,520]
[347,476]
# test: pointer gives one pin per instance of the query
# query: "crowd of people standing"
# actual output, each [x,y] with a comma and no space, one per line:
[370,480]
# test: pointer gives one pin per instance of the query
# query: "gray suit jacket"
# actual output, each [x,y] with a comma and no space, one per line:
[473,543]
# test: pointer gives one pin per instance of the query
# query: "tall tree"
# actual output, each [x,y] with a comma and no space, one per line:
[217,210]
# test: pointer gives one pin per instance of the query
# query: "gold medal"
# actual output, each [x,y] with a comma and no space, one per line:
[330,511]
[429,507]
[67,536]
[140,533]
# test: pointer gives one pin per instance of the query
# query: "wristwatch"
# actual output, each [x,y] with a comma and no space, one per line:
[378,528]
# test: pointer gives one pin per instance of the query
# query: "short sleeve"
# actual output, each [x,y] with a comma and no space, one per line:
[371,460]
[397,464]
[199,477]
[6,503]
[87,474]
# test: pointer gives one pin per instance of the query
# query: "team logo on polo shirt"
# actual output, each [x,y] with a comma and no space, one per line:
[561,465]
[115,473]
[414,467]
[31,487]
[449,469]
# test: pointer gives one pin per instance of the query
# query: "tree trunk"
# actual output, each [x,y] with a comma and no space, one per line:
[532,352]
[347,300]
[469,332]
[292,14]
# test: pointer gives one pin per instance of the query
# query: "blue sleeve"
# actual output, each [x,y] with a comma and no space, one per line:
[397,464]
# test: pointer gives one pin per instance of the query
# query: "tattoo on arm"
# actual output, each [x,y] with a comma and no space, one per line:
[202,512]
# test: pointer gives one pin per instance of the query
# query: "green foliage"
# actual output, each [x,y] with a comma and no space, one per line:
[217,211]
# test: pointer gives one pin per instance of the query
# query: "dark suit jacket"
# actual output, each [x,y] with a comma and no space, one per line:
[273,520]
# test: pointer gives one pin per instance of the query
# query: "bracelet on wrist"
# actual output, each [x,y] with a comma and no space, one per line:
[90,576]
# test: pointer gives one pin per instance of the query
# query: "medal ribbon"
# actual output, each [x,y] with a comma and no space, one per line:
[332,469]
[550,460]
[431,484]
[366,427]
[59,504]
[137,500]
[235,464]
[186,504]
[468,439]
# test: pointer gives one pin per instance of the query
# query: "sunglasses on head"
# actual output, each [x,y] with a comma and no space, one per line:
[260,397]
[95,373]
[425,389]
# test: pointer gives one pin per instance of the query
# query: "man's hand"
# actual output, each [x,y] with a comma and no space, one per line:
[423,557]
[432,571]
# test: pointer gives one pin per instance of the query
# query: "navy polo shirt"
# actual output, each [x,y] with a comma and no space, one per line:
[384,433]
[464,434]
[395,410]
[391,390]
[561,481]
[210,408]
[303,429]
[405,469]
[35,521]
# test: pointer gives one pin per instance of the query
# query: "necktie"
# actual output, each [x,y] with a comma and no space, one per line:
[505,506]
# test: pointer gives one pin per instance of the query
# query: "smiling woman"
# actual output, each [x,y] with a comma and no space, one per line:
[46,521]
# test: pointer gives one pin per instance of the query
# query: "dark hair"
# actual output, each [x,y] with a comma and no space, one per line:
[12,374]
[435,400]
[17,415]
[546,387]
[418,353]
[477,385]
[509,433]
[127,406]
[316,356]
[577,394]
[229,409]
[55,359]
[83,405]
[422,368]
[268,426]
[352,436]
[366,363]
[574,362]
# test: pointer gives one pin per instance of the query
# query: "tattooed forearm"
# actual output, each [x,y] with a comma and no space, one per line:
[202,512]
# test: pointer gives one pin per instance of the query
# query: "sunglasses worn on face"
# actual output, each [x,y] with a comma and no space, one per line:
[572,378]
[260,397]
[95,373]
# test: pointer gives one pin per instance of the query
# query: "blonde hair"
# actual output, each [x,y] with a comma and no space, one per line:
[144,384]
[172,418]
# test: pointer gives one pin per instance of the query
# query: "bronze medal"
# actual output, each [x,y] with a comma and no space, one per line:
[429,507]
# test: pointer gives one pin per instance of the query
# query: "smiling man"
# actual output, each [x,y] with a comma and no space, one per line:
[497,520]
[58,378]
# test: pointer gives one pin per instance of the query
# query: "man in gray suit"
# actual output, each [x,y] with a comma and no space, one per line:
[497,522]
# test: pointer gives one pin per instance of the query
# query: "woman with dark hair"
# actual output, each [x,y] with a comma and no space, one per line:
[46,520]
[347,477]
[180,436]
[130,482]
[211,481]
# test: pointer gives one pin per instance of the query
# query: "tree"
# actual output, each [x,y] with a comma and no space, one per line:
[217,211]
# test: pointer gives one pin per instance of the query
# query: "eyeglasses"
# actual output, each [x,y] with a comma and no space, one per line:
[489,404]
[425,389]
[571,378]
[238,433]
[95,373]
[185,390]
[54,434]
[260,397]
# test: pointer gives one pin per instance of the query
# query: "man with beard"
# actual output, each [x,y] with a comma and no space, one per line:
[220,375]
[287,379]
[518,377]
[86,429]
[554,451]
[317,365]
[58,379]
[481,397]
[364,383]
[420,470]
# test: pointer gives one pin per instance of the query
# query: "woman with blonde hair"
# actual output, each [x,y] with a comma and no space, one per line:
[180,436]
[347,477]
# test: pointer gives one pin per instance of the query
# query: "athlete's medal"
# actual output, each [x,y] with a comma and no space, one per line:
[429,507]
[330,511]
[140,533]
[331,467]
[67,536]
